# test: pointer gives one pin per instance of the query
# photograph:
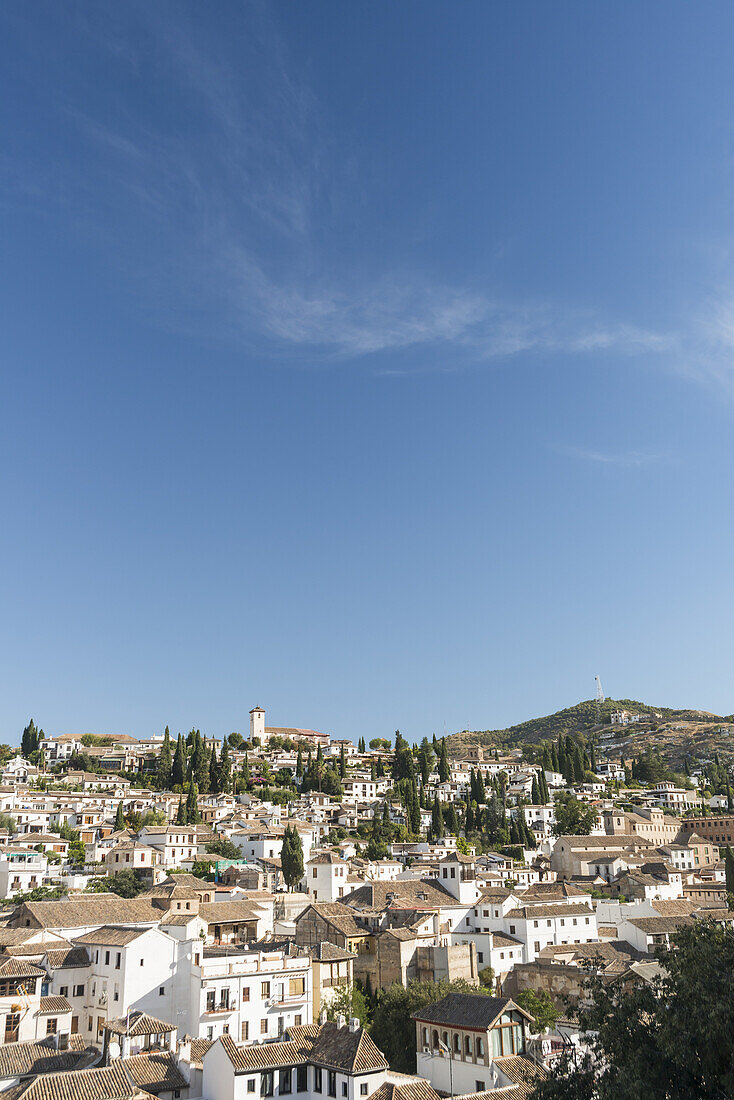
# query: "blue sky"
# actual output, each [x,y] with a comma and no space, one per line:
[372,363]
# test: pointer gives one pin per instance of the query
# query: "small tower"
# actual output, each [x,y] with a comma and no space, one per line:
[257,724]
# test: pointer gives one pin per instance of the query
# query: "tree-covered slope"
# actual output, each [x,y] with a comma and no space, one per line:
[580,718]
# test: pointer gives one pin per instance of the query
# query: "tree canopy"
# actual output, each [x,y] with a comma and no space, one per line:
[669,1039]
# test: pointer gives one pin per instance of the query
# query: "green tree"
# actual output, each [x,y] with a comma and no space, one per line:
[436,820]
[223,847]
[291,857]
[393,1028]
[573,817]
[119,817]
[444,771]
[729,872]
[193,817]
[127,884]
[165,762]
[235,740]
[351,1003]
[29,740]
[540,1006]
[299,763]
[342,763]
[179,763]
[224,770]
[668,1039]
[213,770]
[181,818]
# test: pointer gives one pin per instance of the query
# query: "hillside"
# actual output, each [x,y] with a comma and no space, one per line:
[581,718]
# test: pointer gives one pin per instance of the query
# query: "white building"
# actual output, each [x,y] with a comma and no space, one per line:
[21,870]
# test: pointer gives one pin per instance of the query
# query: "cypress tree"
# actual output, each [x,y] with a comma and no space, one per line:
[319,766]
[443,763]
[181,812]
[165,762]
[373,772]
[436,820]
[119,818]
[299,763]
[213,771]
[193,817]
[342,763]
[179,764]
[481,794]
[535,792]
[224,771]
[380,768]
[469,819]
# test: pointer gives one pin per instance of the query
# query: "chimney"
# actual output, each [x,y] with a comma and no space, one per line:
[354,1024]
[341,1021]
[322,1016]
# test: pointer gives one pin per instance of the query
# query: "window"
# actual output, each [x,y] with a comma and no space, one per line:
[265,989]
[78,990]
[285,1081]
[480,1048]
[467,1045]
[52,1026]
[332,1083]
[317,1079]
[301,1078]
[266,1083]
[12,1026]
[297,1020]
[297,987]
[246,993]
[161,991]
[89,1025]
[363,1089]
[479,1086]
[344,1088]
[118,957]
[263,1027]
[107,958]
[245,1035]
[457,1044]
[512,929]
[142,962]
[251,1085]
[480,956]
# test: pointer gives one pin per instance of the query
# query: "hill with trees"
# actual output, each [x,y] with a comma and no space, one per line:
[583,718]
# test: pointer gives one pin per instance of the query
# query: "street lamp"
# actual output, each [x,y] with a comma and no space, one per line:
[451,1066]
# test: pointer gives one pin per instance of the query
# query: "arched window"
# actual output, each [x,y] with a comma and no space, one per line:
[425,1036]
[435,1039]
[445,1039]
[467,1045]
[480,1047]
[457,1044]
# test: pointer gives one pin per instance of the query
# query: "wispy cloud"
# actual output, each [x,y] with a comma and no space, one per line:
[245,196]
[625,459]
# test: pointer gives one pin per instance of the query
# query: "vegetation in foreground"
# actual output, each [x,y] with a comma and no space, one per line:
[672,1039]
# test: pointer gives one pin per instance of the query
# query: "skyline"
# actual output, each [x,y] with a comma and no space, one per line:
[363,363]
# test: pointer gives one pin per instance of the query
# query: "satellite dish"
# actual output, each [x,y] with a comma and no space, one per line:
[114,1048]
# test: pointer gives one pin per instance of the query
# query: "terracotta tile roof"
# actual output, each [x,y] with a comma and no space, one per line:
[64,958]
[110,935]
[18,968]
[263,1055]
[469,1010]
[415,1089]
[659,925]
[92,909]
[53,1006]
[532,912]
[226,912]
[336,914]
[199,1047]
[24,1059]
[328,952]
[406,894]
[521,1071]
[154,1071]
[109,1083]
[139,1023]
[349,1051]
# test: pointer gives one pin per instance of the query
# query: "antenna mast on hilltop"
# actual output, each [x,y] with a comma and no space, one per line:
[599,699]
